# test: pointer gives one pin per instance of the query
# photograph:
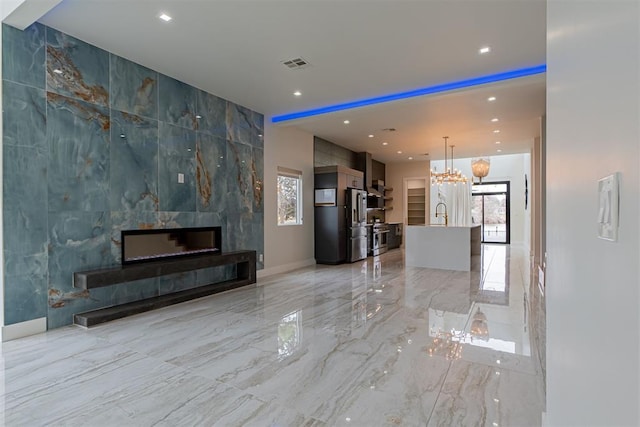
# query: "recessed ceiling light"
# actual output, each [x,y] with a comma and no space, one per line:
[491,98]
[399,152]
[484,49]
[297,93]
[495,119]
[346,122]
[385,143]
[496,131]
[165,17]
[499,151]
[198,116]
[410,158]
[498,142]
[370,136]
[57,71]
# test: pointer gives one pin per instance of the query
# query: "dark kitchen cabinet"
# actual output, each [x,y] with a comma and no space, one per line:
[331,228]
[394,238]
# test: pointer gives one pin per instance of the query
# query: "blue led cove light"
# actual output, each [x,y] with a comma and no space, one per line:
[476,81]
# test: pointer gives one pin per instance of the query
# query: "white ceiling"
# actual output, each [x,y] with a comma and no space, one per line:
[357,49]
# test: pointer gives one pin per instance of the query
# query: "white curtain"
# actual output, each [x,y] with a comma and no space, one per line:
[458,200]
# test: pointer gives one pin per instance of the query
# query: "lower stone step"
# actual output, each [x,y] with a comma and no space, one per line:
[102,315]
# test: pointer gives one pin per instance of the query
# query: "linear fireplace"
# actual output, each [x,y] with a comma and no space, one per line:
[152,245]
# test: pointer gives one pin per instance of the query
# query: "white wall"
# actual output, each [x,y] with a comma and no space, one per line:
[287,247]
[510,168]
[593,112]
[526,228]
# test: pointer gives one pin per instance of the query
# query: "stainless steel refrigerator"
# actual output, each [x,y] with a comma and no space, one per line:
[356,210]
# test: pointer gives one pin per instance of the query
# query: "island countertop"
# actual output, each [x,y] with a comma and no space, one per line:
[440,246]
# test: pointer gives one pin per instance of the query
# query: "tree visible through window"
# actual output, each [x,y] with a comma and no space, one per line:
[289,196]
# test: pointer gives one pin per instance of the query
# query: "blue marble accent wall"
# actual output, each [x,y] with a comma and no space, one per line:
[93,144]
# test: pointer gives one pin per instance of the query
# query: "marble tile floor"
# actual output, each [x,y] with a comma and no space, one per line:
[372,343]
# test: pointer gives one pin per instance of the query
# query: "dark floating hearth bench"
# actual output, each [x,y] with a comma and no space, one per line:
[245,262]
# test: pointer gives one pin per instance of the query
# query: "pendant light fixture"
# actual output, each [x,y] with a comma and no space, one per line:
[450,175]
[480,167]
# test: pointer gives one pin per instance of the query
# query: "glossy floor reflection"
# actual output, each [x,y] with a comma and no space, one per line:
[366,344]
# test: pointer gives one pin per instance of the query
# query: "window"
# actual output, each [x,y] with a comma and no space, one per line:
[289,196]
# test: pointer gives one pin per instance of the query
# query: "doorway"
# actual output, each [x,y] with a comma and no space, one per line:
[490,209]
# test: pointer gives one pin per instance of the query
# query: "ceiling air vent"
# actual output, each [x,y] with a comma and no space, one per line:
[296,63]
[389,129]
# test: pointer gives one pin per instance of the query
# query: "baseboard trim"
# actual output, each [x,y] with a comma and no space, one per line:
[24,329]
[285,268]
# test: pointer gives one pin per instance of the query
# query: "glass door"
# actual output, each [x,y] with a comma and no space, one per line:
[490,209]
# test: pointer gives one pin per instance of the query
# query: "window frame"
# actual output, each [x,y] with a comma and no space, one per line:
[297,175]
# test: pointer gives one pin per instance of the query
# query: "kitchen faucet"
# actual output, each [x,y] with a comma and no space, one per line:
[446,217]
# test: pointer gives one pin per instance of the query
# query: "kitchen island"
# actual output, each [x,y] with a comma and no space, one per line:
[445,247]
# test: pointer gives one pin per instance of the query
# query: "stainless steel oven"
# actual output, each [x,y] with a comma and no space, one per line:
[379,239]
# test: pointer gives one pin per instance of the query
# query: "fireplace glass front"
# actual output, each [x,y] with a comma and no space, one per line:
[152,245]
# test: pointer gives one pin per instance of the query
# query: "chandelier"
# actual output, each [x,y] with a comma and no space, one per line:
[480,167]
[450,175]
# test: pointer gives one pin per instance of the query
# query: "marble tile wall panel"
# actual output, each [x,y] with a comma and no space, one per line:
[177,219]
[78,139]
[71,184]
[25,203]
[211,173]
[25,295]
[213,114]
[25,117]
[257,174]
[82,69]
[78,241]
[239,178]
[239,123]
[177,156]
[133,88]
[134,163]
[23,55]
[257,125]
[178,103]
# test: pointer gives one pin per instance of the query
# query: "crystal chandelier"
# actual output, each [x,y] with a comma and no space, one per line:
[450,175]
[480,167]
